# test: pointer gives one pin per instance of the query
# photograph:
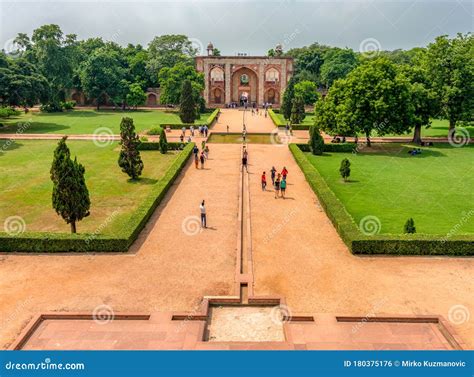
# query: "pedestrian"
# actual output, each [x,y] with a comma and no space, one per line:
[200,130]
[283,187]
[206,131]
[287,127]
[206,152]
[184,131]
[203,144]
[273,172]
[192,130]
[264,181]
[196,160]
[189,139]
[202,160]
[202,207]
[246,154]
[227,128]
[244,162]
[284,172]
[181,138]
[277,186]
[244,135]
[195,150]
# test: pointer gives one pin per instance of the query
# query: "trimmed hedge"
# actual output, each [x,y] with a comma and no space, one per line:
[209,122]
[358,243]
[63,242]
[280,123]
[345,147]
[155,146]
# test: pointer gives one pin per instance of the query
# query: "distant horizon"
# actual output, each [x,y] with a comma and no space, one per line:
[241,27]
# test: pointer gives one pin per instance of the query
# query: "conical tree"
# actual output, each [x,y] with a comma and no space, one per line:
[163,143]
[345,169]
[187,109]
[297,110]
[129,159]
[409,226]
[316,141]
[288,97]
[70,196]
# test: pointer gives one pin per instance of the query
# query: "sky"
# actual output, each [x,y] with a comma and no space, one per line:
[242,26]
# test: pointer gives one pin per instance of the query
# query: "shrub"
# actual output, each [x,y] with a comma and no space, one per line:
[154,131]
[345,169]
[129,158]
[409,226]
[68,105]
[316,141]
[6,112]
[163,142]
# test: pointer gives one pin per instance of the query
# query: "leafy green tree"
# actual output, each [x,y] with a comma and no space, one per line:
[136,96]
[187,106]
[345,169]
[163,143]
[308,62]
[307,90]
[409,226]
[216,52]
[70,196]
[102,75]
[166,51]
[337,64]
[316,141]
[297,110]
[288,96]
[450,69]
[129,159]
[172,79]
[373,97]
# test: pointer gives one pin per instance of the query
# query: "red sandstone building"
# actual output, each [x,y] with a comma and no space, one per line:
[255,79]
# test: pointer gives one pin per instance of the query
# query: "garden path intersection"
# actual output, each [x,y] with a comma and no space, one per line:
[267,274]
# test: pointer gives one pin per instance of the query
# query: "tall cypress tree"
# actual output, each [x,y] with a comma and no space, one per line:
[297,110]
[70,196]
[187,109]
[316,141]
[288,97]
[163,143]
[129,159]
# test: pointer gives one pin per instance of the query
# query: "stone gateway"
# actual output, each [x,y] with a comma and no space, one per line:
[254,80]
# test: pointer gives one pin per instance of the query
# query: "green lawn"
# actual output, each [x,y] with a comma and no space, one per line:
[434,188]
[26,186]
[307,121]
[86,121]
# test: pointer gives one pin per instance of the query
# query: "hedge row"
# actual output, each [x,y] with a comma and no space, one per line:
[155,146]
[63,242]
[177,126]
[358,243]
[343,147]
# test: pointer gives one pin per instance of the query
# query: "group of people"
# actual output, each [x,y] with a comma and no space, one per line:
[201,157]
[278,181]
[414,151]
[203,132]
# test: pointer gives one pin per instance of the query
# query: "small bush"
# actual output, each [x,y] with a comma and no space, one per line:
[68,105]
[6,112]
[154,131]
[409,226]
[345,169]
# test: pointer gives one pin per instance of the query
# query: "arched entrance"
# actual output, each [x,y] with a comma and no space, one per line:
[217,96]
[271,96]
[151,100]
[244,86]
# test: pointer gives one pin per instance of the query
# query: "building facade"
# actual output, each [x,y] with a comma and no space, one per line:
[239,79]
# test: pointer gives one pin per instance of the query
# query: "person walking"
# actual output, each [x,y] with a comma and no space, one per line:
[206,152]
[202,160]
[196,161]
[273,173]
[283,187]
[195,150]
[244,162]
[264,181]
[284,172]
[192,130]
[277,186]
[184,131]
[202,207]
[227,128]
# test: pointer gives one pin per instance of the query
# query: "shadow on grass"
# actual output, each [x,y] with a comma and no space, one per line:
[33,128]
[9,145]
[143,181]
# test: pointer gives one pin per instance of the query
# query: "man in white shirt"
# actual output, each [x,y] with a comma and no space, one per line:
[203,215]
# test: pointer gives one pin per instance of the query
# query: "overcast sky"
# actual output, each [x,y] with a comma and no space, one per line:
[246,26]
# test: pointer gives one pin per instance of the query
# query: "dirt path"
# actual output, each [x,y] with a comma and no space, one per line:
[298,254]
[166,270]
[234,119]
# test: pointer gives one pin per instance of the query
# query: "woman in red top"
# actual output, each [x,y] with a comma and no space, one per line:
[284,172]
[264,181]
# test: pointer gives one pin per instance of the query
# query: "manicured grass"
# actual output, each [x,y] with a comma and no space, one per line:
[307,121]
[26,186]
[252,138]
[87,121]
[438,128]
[434,188]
